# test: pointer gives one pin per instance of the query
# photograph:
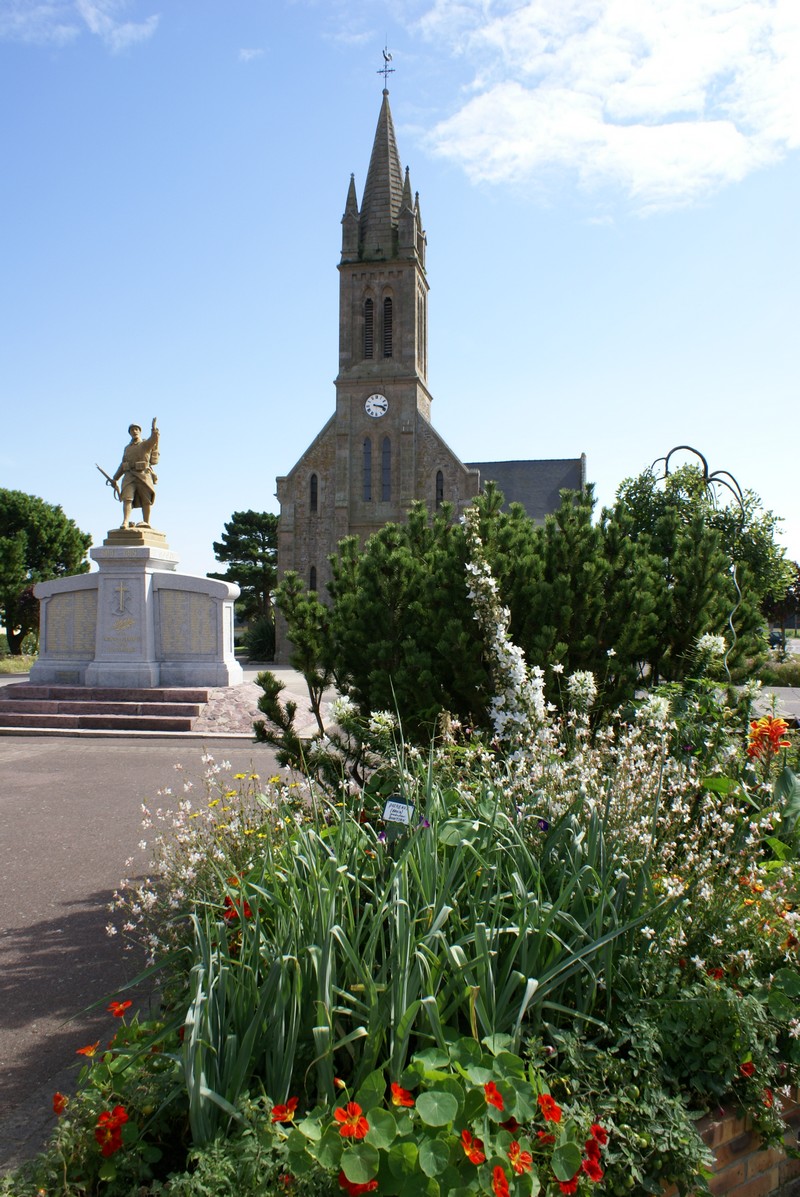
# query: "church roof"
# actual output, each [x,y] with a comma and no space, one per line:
[383,190]
[537,485]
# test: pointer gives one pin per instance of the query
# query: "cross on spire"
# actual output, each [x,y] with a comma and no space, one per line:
[386,70]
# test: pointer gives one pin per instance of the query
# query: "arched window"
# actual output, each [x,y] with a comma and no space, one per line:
[386,470]
[313,491]
[312,578]
[387,327]
[369,327]
[367,470]
[439,489]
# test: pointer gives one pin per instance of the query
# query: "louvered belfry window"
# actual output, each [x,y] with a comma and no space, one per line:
[439,489]
[312,578]
[367,470]
[369,327]
[313,492]
[387,328]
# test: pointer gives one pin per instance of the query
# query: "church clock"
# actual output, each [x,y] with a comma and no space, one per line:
[376,406]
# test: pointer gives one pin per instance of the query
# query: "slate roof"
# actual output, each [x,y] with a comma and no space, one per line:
[534,484]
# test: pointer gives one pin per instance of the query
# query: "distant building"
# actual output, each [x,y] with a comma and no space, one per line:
[379,452]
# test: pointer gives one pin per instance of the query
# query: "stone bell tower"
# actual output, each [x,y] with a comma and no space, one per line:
[378,453]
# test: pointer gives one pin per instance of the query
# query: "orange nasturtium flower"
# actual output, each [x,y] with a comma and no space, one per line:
[89,1050]
[108,1131]
[473,1148]
[401,1096]
[499,1182]
[493,1096]
[766,736]
[285,1113]
[119,1008]
[521,1161]
[355,1190]
[551,1110]
[352,1123]
[60,1103]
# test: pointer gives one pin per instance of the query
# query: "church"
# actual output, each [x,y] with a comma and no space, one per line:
[379,451]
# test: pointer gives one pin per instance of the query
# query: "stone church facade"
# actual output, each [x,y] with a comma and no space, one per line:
[379,452]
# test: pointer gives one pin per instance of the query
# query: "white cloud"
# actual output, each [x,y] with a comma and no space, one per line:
[249,55]
[61,21]
[101,19]
[666,100]
[40,24]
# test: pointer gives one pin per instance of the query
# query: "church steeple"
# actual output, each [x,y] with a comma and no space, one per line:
[383,192]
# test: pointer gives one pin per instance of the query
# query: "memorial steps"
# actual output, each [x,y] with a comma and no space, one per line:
[53,708]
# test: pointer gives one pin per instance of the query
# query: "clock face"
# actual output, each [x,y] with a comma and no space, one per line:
[376,405]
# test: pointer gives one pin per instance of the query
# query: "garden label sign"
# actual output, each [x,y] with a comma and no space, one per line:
[397,810]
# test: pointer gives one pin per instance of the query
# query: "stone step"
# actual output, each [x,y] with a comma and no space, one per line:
[103,694]
[101,722]
[32,706]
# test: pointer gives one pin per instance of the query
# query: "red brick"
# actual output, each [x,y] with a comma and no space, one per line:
[759,1186]
[726,1180]
[734,1149]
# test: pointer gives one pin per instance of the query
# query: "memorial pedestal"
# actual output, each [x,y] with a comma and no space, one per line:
[136,622]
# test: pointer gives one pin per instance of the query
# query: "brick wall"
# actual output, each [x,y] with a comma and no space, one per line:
[741,1167]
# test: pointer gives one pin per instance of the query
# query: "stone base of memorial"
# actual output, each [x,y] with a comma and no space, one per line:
[136,622]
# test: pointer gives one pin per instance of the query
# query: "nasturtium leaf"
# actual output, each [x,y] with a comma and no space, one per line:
[432,1057]
[566,1161]
[788,980]
[433,1156]
[507,1063]
[328,1152]
[360,1163]
[403,1159]
[371,1093]
[107,1170]
[309,1128]
[465,1052]
[478,1074]
[454,831]
[498,1043]
[382,1129]
[437,1108]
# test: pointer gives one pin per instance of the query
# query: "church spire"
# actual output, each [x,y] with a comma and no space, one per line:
[383,191]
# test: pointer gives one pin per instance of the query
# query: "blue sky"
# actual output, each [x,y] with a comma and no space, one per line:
[610,190]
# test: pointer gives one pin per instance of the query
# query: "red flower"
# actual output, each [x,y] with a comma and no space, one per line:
[569,1186]
[748,1068]
[768,1099]
[493,1096]
[544,1138]
[119,1008]
[716,974]
[499,1182]
[521,1161]
[285,1113]
[89,1050]
[599,1133]
[551,1111]
[401,1096]
[592,1149]
[108,1131]
[235,910]
[352,1123]
[593,1170]
[510,1124]
[473,1148]
[352,1189]
[60,1103]
[766,736]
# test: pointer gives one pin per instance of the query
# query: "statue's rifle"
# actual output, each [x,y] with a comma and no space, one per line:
[109,481]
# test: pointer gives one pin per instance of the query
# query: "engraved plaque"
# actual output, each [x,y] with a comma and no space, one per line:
[187,624]
[71,624]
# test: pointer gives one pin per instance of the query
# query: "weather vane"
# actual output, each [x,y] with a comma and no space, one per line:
[386,70]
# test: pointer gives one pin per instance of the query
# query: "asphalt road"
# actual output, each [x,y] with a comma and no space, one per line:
[71,817]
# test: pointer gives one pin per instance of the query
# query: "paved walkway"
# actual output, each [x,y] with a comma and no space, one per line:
[71,816]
